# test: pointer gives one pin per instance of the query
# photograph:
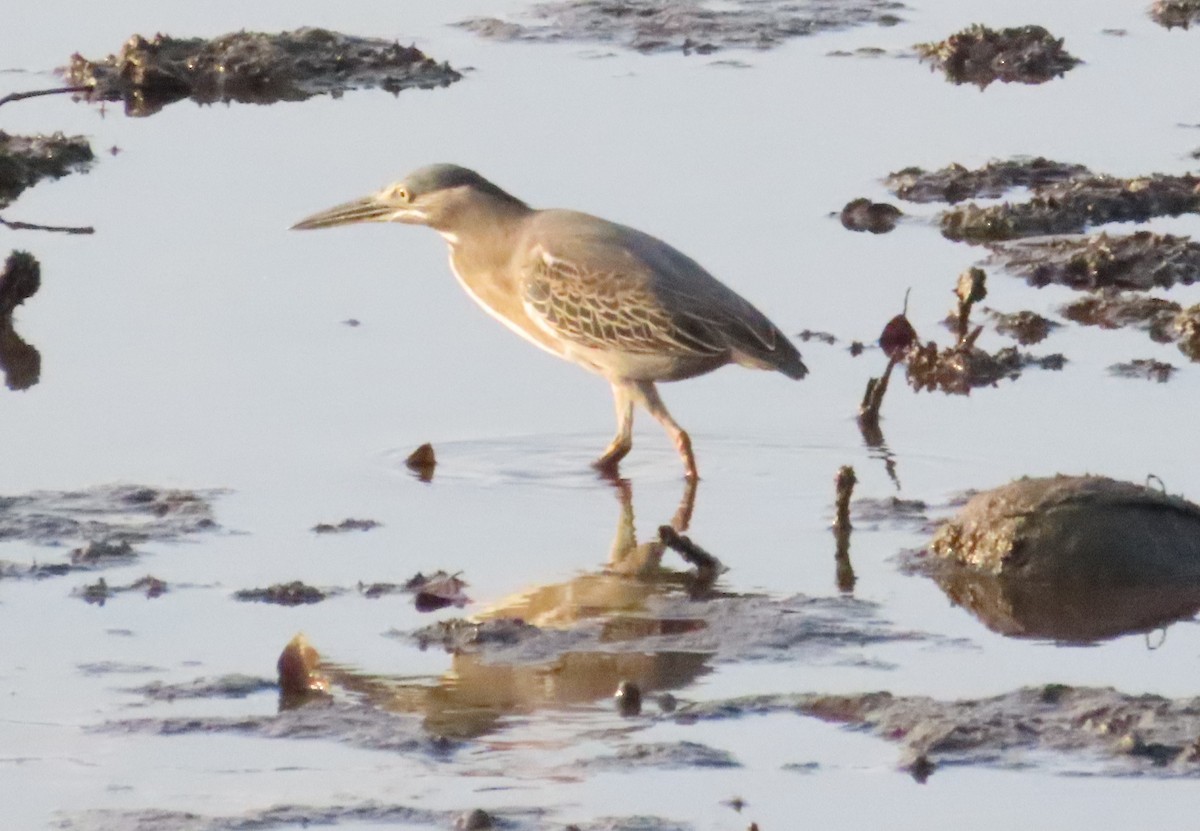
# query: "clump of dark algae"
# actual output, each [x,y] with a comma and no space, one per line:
[1025,327]
[253,67]
[1070,558]
[1175,13]
[955,369]
[1070,206]
[1065,198]
[1140,261]
[954,183]
[684,26]
[980,55]
[26,160]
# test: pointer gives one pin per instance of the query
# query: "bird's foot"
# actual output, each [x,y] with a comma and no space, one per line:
[608,465]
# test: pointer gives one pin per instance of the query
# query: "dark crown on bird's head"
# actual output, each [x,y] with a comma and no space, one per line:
[436,177]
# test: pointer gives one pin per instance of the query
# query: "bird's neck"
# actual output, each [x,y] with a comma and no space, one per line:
[482,237]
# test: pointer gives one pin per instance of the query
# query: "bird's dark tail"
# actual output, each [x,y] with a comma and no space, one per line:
[787,359]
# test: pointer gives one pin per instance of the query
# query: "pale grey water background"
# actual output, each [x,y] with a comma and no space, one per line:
[195,342]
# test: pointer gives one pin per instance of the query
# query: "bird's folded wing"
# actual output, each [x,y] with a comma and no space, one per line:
[610,308]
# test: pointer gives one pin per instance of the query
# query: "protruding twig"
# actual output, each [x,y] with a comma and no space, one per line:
[64,229]
[20,96]
[872,400]
[971,288]
[845,482]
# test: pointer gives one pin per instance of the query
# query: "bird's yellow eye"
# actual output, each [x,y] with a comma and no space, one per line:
[402,194]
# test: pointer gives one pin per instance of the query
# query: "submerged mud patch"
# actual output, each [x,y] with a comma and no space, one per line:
[742,627]
[1146,734]
[684,25]
[329,718]
[253,67]
[276,816]
[26,160]
[107,516]
[663,756]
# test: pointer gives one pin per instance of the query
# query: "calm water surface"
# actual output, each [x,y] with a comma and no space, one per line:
[194,341]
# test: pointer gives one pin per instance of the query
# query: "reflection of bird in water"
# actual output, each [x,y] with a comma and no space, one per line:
[480,689]
[607,297]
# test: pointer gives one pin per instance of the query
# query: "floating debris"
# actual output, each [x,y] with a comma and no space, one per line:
[26,160]
[253,67]
[422,462]
[1070,206]
[958,369]
[684,26]
[864,215]
[1147,368]
[1140,261]
[345,525]
[437,591]
[1172,13]
[101,552]
[100,592]
[295,593]
[822,337]
[955,183]
[1026,327]
[979,55]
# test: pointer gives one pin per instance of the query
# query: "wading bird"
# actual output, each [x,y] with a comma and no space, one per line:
[610,298]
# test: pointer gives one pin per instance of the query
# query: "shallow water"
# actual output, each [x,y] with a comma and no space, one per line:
[195,342]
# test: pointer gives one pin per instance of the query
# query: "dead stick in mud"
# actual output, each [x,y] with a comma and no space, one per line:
[21,96]
[687,549]
[845,483]
[872,400]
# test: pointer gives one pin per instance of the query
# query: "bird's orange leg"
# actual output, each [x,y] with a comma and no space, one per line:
[646,394]
[622,442]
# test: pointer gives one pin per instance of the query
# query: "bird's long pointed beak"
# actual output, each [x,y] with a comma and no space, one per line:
[368,209]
